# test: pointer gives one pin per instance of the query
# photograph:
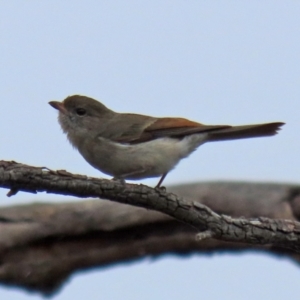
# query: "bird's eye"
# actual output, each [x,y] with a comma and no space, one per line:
[80,111]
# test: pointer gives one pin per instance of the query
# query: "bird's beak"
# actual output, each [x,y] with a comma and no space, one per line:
[59,106]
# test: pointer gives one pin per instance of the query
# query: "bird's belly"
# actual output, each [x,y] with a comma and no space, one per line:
[144,160]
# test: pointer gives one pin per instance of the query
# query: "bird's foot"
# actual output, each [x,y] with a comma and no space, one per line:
[120,180]
[160,188]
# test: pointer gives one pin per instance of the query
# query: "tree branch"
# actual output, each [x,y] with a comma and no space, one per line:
[113,232]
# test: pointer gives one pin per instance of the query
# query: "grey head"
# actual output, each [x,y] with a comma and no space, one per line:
[81,116]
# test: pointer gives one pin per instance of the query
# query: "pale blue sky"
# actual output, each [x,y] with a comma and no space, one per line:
[216,62]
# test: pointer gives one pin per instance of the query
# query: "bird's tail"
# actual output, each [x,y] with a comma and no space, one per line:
[244,132]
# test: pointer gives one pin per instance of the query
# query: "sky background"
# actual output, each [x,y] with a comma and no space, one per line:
[215,62]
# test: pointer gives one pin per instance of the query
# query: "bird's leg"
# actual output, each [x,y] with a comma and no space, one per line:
[161,180]
[122,177]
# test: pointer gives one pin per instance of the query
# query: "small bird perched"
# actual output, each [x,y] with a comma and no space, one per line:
[132,146]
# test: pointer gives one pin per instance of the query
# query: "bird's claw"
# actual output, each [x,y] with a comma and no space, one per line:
[161,188]
[120,180]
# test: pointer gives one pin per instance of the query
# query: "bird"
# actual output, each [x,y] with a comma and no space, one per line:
[131,146]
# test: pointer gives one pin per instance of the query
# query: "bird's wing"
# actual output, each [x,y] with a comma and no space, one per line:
[165,127]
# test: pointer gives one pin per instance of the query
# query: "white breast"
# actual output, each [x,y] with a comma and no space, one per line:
[149,159]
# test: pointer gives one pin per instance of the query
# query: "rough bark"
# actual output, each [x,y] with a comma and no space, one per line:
[42,244]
